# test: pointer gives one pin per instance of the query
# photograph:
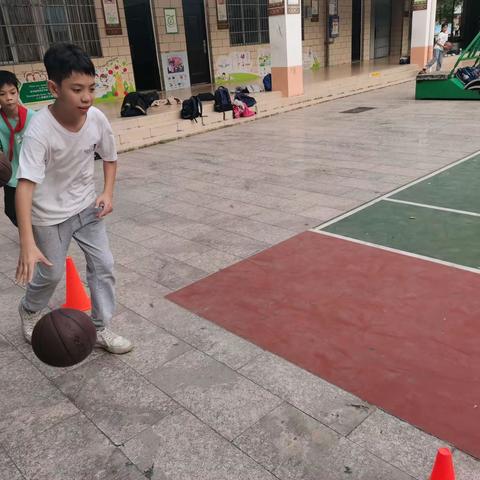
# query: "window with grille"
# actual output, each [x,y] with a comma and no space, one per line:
[248,22]
[29,27]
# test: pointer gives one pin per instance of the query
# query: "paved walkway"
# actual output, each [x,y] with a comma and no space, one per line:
[193,401]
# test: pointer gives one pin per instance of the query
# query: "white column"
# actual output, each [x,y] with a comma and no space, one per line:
[423,27]
[285,26]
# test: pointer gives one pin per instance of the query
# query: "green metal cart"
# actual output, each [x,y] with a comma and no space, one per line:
[449,86]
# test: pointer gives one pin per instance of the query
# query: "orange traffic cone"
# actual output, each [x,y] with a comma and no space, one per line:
[77,297]
[443,467]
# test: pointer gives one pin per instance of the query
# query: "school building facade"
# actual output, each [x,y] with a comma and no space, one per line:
[172,44]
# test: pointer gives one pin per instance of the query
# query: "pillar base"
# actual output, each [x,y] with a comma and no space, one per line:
[420,55]
[288,80]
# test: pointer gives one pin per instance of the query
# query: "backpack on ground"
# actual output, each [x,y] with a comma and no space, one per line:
[223,101]
[134,104]
[246,99]
[240,109]
[150,97]
[267,82]
[191,109]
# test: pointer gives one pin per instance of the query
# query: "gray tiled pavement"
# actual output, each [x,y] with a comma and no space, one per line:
[193,401]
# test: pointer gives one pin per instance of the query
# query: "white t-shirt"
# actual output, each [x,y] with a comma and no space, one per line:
[61,163]
[442,39]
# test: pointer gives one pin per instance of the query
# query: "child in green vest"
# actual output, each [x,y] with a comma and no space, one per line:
[14,119]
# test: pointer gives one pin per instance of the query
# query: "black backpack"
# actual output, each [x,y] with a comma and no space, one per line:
[150,97]
[223,102]
[246,99]
[134,104]
[191,109]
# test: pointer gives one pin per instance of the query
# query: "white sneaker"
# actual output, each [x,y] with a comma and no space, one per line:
[29,320]
[113,343]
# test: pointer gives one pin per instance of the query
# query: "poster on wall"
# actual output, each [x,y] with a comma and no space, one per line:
[113,80]
[264,60]
[222,15]
[112,17]
[175,70]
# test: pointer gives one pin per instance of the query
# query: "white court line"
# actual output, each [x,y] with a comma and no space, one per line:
[401,252]
[385,197]
[433,207]
[393,192]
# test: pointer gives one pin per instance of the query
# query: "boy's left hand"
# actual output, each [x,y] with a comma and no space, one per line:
[104,202]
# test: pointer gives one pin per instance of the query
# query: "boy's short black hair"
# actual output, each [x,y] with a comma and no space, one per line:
[444,25]
[63,59]
[8,78]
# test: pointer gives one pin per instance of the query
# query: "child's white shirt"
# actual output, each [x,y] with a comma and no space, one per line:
[61,163]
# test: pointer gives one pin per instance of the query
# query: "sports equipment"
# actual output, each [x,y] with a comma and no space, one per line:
[63,337]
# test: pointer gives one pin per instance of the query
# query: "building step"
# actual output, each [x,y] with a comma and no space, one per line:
[164,124]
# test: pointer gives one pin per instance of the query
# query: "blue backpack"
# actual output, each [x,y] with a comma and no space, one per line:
[223,101]
[267,82]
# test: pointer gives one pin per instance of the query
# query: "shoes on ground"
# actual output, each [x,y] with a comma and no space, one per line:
[113,343]
[29,320]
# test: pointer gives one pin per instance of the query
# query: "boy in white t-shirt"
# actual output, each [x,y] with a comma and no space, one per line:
[438,50]
[56,199]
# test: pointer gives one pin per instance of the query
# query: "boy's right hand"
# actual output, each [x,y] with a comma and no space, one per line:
[27,260]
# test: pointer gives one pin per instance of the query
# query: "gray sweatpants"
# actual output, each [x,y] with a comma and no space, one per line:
[53,241]
[437,58]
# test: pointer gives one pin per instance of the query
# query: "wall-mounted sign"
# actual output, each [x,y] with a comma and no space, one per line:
[315,12]
[222,15]
[333,7]
[334,26]
[170,15]
[112,17]
[419,4]
[293,6]
[31,92]
[276,7]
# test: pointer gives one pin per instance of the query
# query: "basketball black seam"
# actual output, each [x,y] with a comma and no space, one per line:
[79,325]
[61,339]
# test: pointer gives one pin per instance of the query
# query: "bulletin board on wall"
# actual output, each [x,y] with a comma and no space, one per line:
[111,16]
[222,14]
[419,4]
[176,73]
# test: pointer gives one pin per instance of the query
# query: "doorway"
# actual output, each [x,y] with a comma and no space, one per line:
[143,45]
[356,30]
[197,42]
[383,20]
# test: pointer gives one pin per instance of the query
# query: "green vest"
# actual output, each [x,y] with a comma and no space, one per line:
[5,142]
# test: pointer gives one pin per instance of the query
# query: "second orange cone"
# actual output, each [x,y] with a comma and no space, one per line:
[77,297]
[443,467]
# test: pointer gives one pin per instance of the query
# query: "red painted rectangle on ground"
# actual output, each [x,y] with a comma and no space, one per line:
[399,332]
